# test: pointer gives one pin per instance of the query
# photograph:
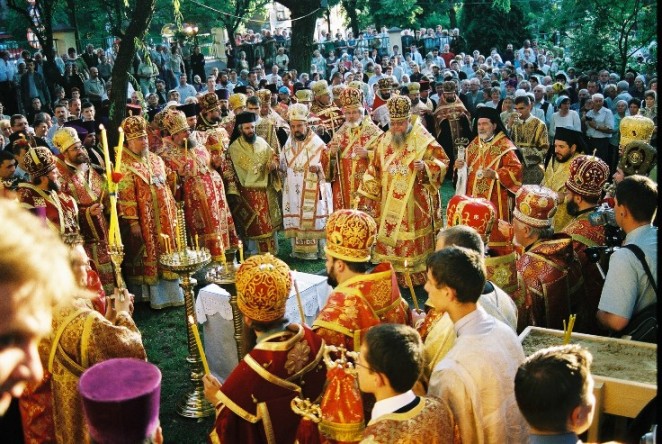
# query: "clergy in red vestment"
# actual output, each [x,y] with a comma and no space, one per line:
[284,362]
[549,266]
[43,196]
[350,149]
[493,168]
[330,116]
[88,188]
[361,299]
[588,175]
[146,209]
[199,186]
[401,190]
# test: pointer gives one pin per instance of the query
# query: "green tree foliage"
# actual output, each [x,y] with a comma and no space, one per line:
[604,33]
[485,26]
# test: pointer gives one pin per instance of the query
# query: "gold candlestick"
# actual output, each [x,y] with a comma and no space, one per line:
[184,263]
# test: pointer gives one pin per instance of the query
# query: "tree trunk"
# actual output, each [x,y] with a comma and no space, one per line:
[142,15]
[452,16]
[350,9]
[303,30]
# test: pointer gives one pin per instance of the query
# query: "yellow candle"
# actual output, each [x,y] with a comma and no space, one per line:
[106,156]
[178,241]
[410,284]
[201,350]
[220,245]
[299,302]
[197,245]
[118,151]
[241,252]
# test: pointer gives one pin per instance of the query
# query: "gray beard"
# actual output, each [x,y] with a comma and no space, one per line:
[399,139]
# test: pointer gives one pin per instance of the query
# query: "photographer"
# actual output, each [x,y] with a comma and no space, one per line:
[629,298]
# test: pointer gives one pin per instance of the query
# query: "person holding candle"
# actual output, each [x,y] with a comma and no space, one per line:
[476,376]
[494,167]
[200,187]
[146,209]
[362,297]
[89,189]
[283,361]
[43,196]
[401,190]
[252,190]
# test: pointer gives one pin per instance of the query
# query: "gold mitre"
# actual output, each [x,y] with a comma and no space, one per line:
[320,88]
[263,285]
[174,121]
[636,127]
[351,98]
[297,111]
[65,138]
[237,100]
[134,127]
[399,108]
[350,235]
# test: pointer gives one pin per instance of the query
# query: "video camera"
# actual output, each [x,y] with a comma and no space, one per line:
[614,235]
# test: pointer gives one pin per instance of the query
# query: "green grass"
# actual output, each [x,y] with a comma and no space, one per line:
[164,336]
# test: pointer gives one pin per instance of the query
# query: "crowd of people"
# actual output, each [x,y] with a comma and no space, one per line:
[346,161]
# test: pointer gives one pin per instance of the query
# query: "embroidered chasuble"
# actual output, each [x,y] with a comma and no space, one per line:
[556,175]
[532,140]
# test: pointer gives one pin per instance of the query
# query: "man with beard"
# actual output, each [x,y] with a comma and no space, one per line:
[264,127]
[283,101]
[306,197]
[568,144]
[379,108]
[253,188]
[199,186]
[452,121]
[494,171]
[146,210]
[330,116]
[423,109]
[43,196]
[87,187]
[350,148]
[361,297]
[401,186]
[587,177]
[61,114]
[549,267]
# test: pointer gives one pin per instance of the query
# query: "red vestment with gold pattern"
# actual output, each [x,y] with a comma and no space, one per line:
[330,116]
[360,303]
[57,208]
[89,188]
[281,108]
[405,202]
[254,401]
[203,193]
[144,198]
[552,275]
[585,235]
[346,178]
[497,154]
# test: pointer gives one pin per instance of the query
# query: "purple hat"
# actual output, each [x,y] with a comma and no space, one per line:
[121,400]
[222,94]
[82,132]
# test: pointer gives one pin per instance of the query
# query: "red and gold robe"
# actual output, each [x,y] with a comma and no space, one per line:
[346,177]
[360,303]
[82,337]
[144,198]
[452,126]
[89,188]
[498,154]
[256,206]
[205,206]
[430,421]
[585,235]
[552,275]
[330,117]
[405,202]
[282,109]
[253,405]
[57,208]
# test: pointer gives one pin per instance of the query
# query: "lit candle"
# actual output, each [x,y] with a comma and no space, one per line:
[201,350]
[410,285]
[118,150]
[241,252]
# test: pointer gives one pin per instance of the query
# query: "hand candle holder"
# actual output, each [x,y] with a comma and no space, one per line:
[184,262]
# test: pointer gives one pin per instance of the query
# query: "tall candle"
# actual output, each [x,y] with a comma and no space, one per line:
[198,342]
[178,241]
[197,245]
[241,252]
[220,246]
[118,151]
[106,155]
[410,285]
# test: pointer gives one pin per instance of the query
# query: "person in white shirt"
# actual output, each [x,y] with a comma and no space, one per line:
[476,376]
[388,366]
[564,117]
[184,89]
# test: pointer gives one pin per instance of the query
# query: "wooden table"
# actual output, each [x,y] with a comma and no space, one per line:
[614,395]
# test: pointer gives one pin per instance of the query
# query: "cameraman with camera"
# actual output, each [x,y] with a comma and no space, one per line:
[629,297]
